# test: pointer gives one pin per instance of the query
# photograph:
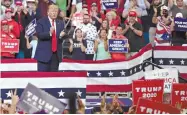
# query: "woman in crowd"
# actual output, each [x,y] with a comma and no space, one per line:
[101,46]
[152,30]
[104,25]
[78,46]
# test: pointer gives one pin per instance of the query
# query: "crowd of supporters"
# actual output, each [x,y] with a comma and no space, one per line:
[113,107]
[139,21]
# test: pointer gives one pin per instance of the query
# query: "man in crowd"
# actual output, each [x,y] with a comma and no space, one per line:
[179,11]
[90,34]
[13,25]
[133,32]
[5,4]
[5,34]
[20,16]
[49,32]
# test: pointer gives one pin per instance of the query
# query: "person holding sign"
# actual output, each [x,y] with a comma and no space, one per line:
[6,34]
[118,36]
[101,46]
[49,49]
[78,46]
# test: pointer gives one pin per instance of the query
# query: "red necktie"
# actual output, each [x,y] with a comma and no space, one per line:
[54,40]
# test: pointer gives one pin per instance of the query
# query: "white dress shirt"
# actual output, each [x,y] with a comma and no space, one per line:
[51,22]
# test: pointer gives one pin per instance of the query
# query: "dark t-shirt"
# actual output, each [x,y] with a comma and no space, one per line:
[151,13]
[136,42]
[175,10]
[96,23]
[77,53]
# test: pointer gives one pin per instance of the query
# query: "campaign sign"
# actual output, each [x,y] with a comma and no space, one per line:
[77,19]
[170,76]
[179,95]
[150,89]
[118,46]
[10,45]
[109,4]
[30,29]
[180,24]
[146,106]
[34,99]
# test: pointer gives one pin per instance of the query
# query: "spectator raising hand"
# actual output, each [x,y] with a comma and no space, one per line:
[14,99]
[132,110]
[81,106]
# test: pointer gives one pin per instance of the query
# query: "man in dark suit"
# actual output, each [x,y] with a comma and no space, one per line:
[50,32]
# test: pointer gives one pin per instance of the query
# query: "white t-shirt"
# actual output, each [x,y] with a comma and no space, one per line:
[33,44]
[78,4]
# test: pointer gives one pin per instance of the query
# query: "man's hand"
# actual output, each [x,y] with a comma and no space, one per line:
[26,37]
[52,29]
[10,27]
[71,41]
[62,33]
[132,110]
[14,97]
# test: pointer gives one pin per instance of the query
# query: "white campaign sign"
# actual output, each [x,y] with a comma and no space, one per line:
[170,75]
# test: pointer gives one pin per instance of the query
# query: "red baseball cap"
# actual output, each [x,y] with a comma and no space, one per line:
[4,22]
[8,10]
[18,3]
[132,14]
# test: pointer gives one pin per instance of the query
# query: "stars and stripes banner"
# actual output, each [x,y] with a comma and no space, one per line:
[172,57]
[57,84]
[102,76]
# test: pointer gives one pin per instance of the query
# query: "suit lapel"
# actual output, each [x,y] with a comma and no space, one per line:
[48,23]
[57,28]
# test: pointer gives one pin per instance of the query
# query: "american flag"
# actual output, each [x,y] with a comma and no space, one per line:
[57,84]
[172,57]
[103,76]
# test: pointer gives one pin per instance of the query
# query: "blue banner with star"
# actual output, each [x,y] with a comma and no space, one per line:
[118,46]
[109,4]
[180,24]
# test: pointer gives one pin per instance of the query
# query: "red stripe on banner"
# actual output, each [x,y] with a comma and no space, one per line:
[42,74]
[109,88]
[142,51]
[173,48]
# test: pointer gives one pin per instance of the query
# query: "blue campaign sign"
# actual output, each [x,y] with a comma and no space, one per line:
[30,29]
[35,100]
[118,46]
[109,4]
[180,24]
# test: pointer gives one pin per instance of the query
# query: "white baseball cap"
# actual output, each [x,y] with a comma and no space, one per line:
[164,8]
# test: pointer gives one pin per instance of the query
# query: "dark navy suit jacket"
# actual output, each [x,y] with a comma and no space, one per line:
[44,47]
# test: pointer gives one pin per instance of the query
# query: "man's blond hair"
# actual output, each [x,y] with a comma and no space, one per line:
[52,6]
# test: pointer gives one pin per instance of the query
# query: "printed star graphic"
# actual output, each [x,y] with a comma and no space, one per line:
[131,71]
[8,94]
[182,62]
[88,74]
[140,67]
[79,93]
[122,73]
[61,93]
[161,61]
[110,73]
[98,74]
[135,69]
[171,61]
